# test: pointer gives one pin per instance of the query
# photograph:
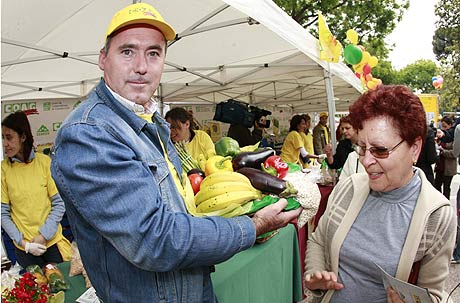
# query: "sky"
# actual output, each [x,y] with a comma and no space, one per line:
[413,35]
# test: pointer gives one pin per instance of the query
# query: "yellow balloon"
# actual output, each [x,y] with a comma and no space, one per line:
[371,85]
[358,68]
[366,57]
[352,36]
[373,61]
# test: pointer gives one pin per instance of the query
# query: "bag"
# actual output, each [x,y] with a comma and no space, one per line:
[234,112]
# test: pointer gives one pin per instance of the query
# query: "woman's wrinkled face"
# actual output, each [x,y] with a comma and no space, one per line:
[12,143]
[179,131]
[394,171]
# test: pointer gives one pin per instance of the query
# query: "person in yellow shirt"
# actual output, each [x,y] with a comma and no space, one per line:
[183,129]
[31,205]
[293,148]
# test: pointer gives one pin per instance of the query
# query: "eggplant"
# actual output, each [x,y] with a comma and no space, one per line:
[267,183]
[196,171]
[251,159]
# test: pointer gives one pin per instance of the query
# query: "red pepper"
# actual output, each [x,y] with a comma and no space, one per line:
[278,164]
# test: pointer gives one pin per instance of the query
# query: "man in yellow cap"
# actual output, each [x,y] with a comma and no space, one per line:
[321,134]
[116,173]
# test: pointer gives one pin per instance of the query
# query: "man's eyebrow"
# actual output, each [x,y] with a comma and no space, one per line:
[135,46]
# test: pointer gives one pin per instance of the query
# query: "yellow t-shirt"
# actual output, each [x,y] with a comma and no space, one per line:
[27,188]
[201,144]
[326,134]
[290,151]
[308,143]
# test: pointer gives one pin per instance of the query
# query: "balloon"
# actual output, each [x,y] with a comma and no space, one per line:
[358,68]
[366,57]
[371,85]
[352,36]
[358,75]
[373,61]
[352,54]
[366,69]
[435,83]
[434,78]
[440,80]
[368,77]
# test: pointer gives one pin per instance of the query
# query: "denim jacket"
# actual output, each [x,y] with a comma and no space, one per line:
[136,240]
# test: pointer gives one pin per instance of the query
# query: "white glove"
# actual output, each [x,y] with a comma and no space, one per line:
[35,249]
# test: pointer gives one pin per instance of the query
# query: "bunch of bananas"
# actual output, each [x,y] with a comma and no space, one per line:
[222,189]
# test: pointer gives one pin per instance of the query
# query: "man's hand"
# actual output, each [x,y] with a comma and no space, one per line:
[35,249]
[39,239]
[322,280]
[272,217]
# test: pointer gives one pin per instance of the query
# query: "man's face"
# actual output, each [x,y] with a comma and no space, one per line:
[134,62]
[323,120]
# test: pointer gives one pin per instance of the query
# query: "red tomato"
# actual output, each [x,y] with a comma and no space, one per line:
[195,180]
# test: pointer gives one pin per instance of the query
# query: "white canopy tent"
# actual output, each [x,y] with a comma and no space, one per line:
[246,50]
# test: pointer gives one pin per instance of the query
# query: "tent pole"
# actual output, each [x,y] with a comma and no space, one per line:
[161,106]
[330,105]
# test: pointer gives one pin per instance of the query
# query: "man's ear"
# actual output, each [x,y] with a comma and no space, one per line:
[101,61]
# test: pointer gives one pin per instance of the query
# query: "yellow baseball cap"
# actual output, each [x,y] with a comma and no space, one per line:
[140,13]
[323,114]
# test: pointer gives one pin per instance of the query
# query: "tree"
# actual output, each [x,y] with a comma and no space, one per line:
[446,46]
[418,75]
[385,72]
[373,20]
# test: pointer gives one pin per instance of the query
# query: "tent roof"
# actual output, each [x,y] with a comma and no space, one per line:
[246,50]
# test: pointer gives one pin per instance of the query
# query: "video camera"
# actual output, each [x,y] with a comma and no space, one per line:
[237,112]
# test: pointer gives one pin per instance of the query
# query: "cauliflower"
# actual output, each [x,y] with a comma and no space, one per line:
[308,195]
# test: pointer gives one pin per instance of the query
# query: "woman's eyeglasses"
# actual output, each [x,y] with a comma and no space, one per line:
[377,152]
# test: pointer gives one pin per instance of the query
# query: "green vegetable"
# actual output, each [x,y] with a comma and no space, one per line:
[267,200]
[227,146]
[293,167]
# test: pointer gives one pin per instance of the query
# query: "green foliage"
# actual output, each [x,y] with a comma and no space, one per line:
[385,72]
[446,46]
[373,20]
[418,75]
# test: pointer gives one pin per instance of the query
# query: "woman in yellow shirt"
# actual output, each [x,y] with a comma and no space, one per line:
[294,146]
[31,205]
[183,129]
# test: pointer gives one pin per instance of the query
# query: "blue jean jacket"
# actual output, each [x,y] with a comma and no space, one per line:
[136,240]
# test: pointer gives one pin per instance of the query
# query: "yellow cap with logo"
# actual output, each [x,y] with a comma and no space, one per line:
[140,13]
[323,114]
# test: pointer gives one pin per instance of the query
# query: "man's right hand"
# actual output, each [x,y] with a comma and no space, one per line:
[35,249]
[272,217]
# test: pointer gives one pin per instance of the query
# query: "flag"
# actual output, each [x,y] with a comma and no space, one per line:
[329,48]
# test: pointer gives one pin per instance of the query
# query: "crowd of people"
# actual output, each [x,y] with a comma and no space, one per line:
[115,171]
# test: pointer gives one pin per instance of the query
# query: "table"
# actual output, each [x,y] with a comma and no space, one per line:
[268,272]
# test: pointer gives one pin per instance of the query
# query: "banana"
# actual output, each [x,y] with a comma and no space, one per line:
[224,176]
[215,189]
[224,200]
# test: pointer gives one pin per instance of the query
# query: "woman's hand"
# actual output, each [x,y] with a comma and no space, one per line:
[393,296]
[39,239]
[322,280]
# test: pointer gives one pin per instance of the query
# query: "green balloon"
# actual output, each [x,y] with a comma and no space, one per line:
[352,54]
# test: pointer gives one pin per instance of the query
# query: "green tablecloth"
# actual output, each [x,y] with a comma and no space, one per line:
[268,272]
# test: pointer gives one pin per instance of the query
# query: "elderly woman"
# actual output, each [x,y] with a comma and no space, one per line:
[390,216]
